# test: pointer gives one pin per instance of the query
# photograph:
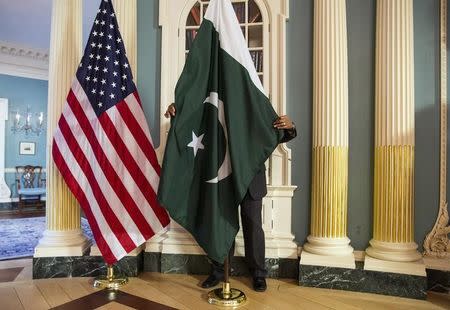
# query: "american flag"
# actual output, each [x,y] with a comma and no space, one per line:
[103,148]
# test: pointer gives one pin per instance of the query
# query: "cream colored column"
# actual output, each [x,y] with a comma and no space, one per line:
[63,236]
[126,11]
[393,218]
[328,238]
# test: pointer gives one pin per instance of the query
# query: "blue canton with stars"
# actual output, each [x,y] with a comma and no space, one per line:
[104,71]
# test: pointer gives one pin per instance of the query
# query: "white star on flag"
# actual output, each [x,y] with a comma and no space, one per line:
[121,217]
[196,143]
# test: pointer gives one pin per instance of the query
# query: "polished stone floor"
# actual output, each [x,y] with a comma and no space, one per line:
[160,291]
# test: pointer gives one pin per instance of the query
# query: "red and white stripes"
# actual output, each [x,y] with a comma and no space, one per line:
[110,165]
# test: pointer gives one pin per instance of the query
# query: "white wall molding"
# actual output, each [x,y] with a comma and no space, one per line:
[9,200]
[23,61]
[13,170]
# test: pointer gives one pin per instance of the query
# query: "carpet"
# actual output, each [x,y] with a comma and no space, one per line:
[19,237]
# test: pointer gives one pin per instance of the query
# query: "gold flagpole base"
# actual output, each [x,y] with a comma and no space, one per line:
[226,296]
[110,281]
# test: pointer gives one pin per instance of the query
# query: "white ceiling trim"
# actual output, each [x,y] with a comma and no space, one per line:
[23,61]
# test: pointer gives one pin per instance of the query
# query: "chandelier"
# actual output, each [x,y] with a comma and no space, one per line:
[28,123]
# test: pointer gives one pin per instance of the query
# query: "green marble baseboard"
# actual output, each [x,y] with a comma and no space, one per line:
[438,281]
[84,266]
[198,264]
[360,280]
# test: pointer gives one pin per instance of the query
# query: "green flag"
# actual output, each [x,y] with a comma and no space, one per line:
[221,135]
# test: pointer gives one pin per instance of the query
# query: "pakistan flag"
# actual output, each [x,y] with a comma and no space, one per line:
[221,135]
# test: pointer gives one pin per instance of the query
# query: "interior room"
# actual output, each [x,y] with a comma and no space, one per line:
[198,154]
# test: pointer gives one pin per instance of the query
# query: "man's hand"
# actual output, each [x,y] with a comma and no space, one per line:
[171,111]
[283,122]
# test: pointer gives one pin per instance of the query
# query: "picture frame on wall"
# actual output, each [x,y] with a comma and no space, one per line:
[27,148]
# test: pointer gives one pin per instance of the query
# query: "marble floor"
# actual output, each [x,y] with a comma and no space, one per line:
[160,291]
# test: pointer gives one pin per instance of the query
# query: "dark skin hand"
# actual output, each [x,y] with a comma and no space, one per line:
[283,122]
[170,111]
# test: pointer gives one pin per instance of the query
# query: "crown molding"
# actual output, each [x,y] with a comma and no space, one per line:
[23,61]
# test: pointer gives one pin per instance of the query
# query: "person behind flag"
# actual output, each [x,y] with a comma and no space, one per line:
[224,131]
[251,209]
[103,148]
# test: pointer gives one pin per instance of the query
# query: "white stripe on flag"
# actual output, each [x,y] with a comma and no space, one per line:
[102,181]
[110,152]
[113,243]
[144,164]
[232,41]
[138,113]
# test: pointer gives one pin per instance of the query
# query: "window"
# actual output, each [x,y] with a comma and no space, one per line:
[252,25]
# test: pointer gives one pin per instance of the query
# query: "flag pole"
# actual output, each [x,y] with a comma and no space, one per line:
[226,296]
[111,280]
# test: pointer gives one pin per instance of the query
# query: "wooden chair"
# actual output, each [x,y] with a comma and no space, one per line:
[30,186]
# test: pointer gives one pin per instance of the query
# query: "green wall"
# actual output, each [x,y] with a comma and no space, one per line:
[149,58]
[361,47]
[299,107]
[427,89]
[361,53]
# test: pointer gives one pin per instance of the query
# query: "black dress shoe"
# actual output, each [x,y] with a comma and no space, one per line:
[212,281]
[259,284]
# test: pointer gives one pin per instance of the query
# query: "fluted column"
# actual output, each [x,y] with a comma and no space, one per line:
[330,133]
[63,236]
[393,218]
[126,11]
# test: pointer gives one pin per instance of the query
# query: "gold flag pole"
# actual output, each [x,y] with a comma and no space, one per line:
[110,281]
[226,296]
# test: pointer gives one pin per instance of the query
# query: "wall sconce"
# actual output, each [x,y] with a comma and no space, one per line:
[27,123]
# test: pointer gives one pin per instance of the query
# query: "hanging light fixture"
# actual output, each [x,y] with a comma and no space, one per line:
[27,123]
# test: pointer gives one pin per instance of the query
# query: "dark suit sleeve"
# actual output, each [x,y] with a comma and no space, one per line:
[288,135]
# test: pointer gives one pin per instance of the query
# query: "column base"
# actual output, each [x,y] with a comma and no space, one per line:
[416,268]
[328,246]
[96,252]
[62,243]
[310,259]
[395,252]
[5,192]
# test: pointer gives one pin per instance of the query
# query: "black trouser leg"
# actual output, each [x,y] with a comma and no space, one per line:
[254,239]
[253,236]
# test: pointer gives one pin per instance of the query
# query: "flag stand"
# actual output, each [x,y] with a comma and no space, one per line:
[110,281]
[226,296]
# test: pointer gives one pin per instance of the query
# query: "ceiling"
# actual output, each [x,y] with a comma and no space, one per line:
[28,22]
